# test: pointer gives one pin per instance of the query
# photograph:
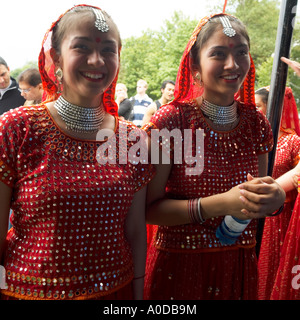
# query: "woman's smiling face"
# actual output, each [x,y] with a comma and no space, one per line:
[224,64]
[89,60]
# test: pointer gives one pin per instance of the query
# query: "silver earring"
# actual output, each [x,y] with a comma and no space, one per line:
[59,75]
[59,78]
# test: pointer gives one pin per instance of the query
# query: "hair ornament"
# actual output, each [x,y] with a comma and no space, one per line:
[227,27]
[100,22]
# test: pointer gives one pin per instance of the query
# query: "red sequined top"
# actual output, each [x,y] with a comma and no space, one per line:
[68,239]
[228,158]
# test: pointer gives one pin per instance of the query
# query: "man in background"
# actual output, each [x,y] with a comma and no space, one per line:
[140,102]
[167,95]
[124,104]
[10,95]
[31,86]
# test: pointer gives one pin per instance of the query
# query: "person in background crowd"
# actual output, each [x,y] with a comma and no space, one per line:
[286,286]
[125,106]
[287,157]
[140,102]
[167,95]
[31,86]
[78,224]
[10,95]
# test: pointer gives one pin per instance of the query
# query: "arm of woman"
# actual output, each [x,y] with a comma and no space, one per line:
[287,180]
[5,198]
[172,212]
[135,230]
[149,113]
[293,64]
[263,164]
[263,197]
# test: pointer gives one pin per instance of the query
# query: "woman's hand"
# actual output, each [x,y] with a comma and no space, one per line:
[261,197]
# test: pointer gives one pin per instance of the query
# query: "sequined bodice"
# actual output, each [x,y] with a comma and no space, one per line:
[68,238]
[228,158]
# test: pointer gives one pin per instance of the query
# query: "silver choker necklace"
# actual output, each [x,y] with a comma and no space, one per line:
[79,119]
[218,114]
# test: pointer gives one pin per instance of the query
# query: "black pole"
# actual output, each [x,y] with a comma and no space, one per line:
[278,83]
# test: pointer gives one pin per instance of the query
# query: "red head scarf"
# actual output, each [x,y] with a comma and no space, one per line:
[47,71]
[186,88]
[289,117]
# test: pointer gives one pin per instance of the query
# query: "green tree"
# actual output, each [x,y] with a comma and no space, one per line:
[261,19]
[263,74]
[16,72]
[293,80]
[155,56]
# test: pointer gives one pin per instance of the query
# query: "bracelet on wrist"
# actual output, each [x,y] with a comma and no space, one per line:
[276,213]
[194,211]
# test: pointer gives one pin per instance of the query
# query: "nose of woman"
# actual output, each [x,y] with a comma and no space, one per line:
[95,59]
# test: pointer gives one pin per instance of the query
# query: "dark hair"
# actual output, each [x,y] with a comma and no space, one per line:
[264,94]
[69,19]
[31,76]
[2,61]
[164,84]
[209,28]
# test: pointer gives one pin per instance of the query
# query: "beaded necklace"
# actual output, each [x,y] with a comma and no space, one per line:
[220,115]
[79,119]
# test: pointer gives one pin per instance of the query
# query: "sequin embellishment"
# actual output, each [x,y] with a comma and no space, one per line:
[228,157]
[68,239]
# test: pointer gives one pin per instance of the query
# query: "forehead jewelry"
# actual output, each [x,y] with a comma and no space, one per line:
[227,27]
[100,22]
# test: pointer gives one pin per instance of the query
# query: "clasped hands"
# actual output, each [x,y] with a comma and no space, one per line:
[258,198]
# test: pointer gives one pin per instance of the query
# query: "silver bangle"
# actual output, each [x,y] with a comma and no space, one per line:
[201,220]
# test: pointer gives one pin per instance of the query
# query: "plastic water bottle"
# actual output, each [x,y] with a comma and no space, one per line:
[230,229]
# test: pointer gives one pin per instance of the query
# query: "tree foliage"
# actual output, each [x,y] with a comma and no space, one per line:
[261,19]
[155,56]
[16,72]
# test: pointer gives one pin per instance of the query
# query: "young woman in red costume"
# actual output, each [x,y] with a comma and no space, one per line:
[286,286]
[186,260]
[79,227]
[287,157]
